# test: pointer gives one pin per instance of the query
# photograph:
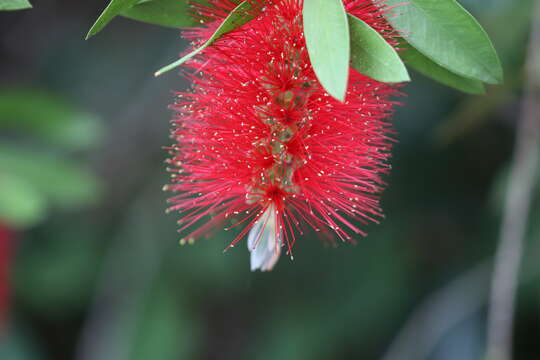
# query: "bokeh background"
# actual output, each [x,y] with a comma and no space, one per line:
[90,266]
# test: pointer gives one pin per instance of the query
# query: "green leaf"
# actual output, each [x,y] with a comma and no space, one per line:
[14,5]
[172,13]
[21,205]
[62,182]
[428,68]
[327,40]
[47,117]
[372,56]
[238,17]
[447,34]
[114,8]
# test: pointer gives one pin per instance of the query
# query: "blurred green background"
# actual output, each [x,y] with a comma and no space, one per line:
[95,269]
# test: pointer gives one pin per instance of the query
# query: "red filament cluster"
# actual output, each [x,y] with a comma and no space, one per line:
[259,135]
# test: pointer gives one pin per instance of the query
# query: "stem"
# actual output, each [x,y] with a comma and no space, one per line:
[517,203]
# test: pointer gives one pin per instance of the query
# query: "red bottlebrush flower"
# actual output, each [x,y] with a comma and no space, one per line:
[258,139]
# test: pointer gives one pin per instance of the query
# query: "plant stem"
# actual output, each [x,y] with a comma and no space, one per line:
[517,203]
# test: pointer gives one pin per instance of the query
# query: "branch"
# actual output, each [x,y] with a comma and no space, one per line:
[517,204]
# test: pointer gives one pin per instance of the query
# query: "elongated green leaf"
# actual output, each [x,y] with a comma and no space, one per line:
[446,33]
[114,8]
[372,56]
[40,114]
[21,205]
[60,181]
[238,17]
[14,4]
[327,39]
[428,68]
[172,13]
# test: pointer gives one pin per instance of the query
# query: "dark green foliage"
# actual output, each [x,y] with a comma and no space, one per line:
[35,178]
[171,13]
